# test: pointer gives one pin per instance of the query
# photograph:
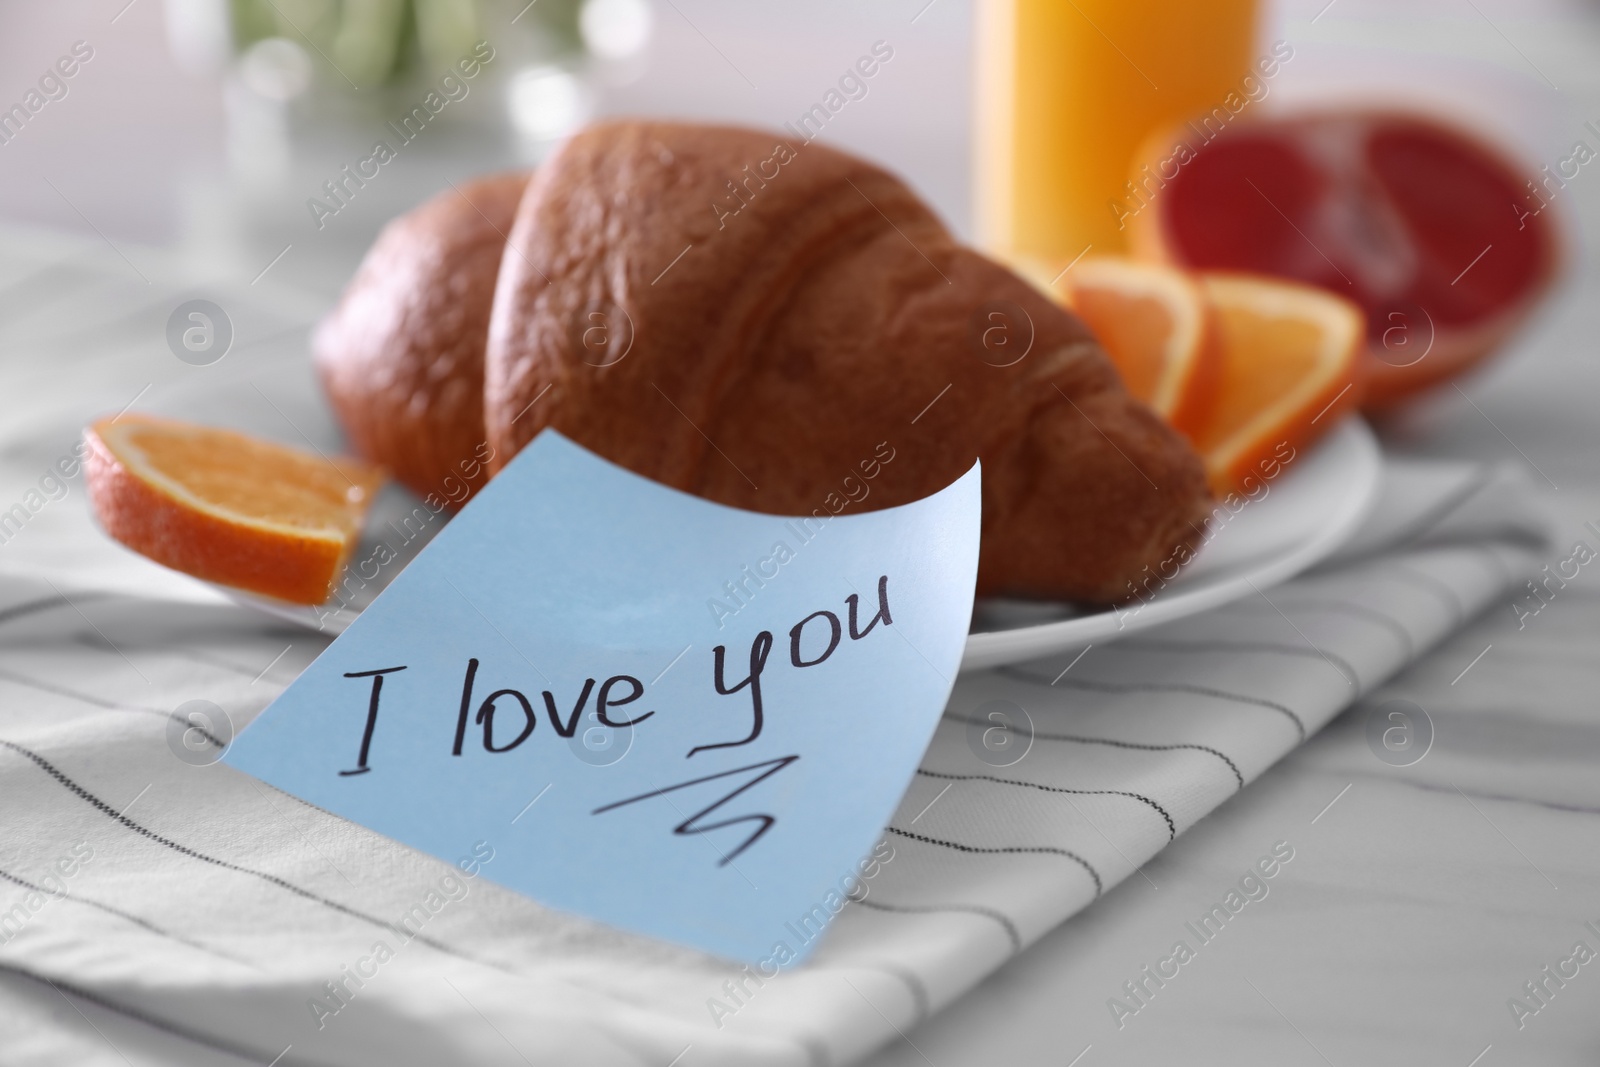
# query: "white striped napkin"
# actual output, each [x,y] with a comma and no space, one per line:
[237,918]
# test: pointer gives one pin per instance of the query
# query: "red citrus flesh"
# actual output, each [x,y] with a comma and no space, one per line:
[1433,234]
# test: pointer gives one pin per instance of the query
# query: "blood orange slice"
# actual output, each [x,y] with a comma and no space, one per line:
[1434,234]
[1157,327]
[226,507]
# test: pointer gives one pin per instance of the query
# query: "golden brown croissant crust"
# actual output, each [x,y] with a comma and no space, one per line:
[761,322]
[401,359]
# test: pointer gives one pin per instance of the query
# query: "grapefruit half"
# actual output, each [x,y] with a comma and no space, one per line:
[1439,238]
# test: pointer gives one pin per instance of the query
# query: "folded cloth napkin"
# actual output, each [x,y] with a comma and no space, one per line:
[233,916]
[205,902]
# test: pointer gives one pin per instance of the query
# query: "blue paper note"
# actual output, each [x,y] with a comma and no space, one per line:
[682,719]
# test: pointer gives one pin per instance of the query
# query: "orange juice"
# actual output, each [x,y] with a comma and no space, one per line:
[1066,91]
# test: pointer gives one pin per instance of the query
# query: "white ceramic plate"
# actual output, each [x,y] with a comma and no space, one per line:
[1308,511]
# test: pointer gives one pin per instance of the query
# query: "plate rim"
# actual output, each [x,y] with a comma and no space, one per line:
[997,648]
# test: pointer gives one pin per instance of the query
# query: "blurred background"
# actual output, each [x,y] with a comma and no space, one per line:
[201,135]
[195,138]
[205,126]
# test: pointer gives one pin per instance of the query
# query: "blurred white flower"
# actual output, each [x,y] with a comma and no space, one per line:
[547,102]
[616,29]
[276,69]
[200,35]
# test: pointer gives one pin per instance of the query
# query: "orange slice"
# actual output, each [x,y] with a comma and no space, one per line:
[1157,327]
[226,507]
[1293,364]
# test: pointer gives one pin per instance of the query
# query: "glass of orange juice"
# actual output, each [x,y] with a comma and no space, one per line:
[1066,92]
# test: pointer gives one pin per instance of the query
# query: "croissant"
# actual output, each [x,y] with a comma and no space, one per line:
[402,356]
[769,324]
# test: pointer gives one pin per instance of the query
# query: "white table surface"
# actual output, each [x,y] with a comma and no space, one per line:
[1423,898]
